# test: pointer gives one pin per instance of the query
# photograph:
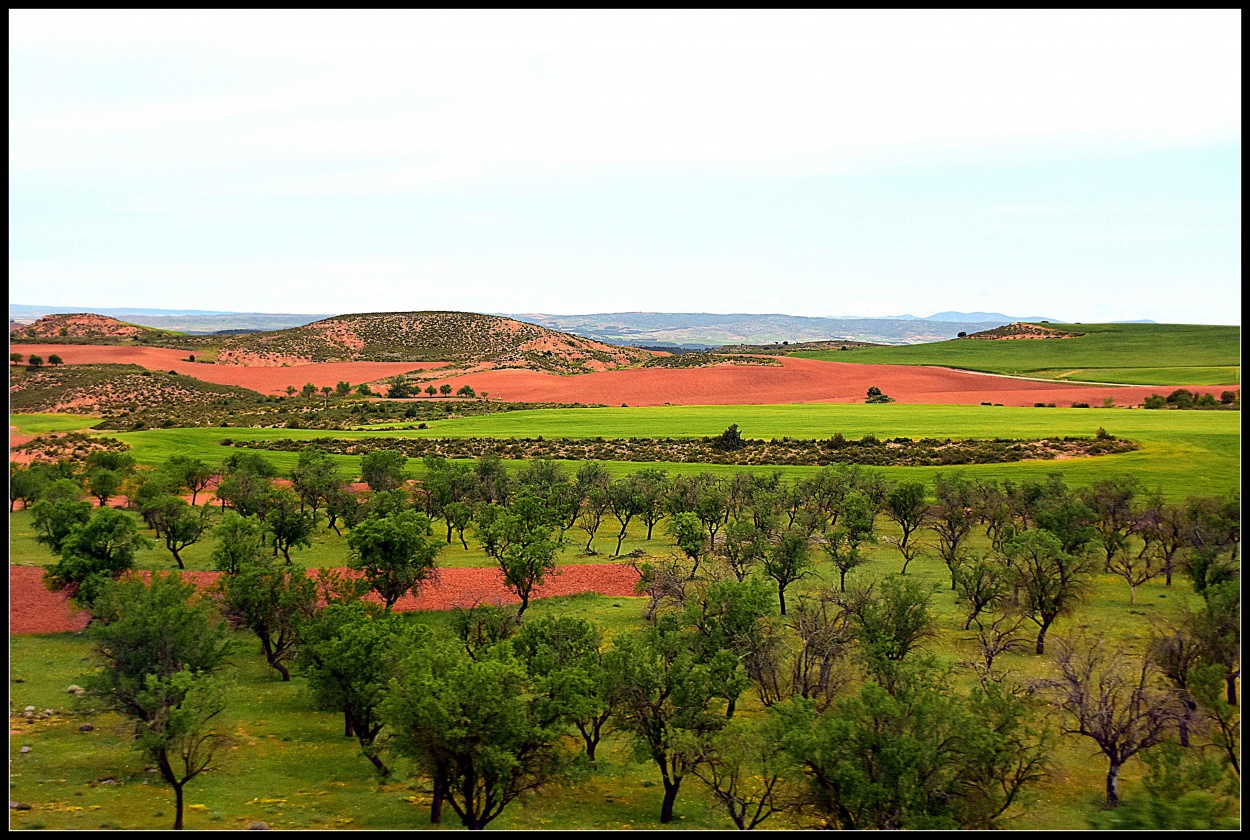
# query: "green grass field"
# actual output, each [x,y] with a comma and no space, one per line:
[1125,353]
[1182,452]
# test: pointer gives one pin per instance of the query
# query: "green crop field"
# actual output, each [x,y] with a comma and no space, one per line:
[1121,353]
[1182,452]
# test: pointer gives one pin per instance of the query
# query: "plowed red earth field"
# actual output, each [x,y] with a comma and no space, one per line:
[267,380]
[794,380]
[33,609]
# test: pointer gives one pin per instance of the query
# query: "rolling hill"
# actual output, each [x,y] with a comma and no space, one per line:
[462,338]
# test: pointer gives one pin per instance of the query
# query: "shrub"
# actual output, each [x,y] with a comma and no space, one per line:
[1080,405]
[1154,401]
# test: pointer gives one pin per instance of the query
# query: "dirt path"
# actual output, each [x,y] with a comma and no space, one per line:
[33,609]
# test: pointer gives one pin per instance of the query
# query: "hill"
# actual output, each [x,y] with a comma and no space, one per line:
[1133,354]
[127,390]
[463,338]
[80,325]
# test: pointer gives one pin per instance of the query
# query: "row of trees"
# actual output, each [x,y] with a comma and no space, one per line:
[35,361]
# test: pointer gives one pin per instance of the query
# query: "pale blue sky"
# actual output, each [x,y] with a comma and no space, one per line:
[1078,165]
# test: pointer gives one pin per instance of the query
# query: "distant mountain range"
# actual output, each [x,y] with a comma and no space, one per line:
[678,329]
[705,330]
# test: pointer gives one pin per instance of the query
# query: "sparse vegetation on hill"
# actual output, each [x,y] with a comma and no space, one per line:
[462,337]
[115,389]
[78,326]
[1021,329]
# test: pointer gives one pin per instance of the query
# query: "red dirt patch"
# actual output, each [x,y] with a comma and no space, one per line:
[794,380]
[33,609]
[267,380]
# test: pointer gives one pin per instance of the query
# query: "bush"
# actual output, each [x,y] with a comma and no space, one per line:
[875,396]
[1080,405]
[1154,401]
[1229,397]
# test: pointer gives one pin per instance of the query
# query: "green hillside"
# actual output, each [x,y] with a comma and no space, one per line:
[1135,354]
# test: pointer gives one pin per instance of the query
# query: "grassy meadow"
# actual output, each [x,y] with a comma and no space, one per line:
[1120,353]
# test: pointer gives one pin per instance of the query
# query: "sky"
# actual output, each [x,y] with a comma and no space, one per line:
[1081,165]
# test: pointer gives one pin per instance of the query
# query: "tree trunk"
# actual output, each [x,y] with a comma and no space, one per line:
[276,664]
[620,538]
[525,602]
[174,552]
[781,596]
[1113,790]
[670,796]
[177,807]
[730,706]
[348,730]
[436,805]
[1132,593]
[1041,638]
[1230,683]
[377,762]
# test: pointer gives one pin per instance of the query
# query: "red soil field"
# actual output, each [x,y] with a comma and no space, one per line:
[267,380]
[33,609]
[795,380]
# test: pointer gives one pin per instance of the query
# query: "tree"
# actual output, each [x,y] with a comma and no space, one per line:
[384,469]
[55,360]
[395,553]
[270,601]
[475,725]
[730,440]
[177,523]
[653,485]
[746,769]
[285,521]
[875,396]
[343,389]
[191,473]
[26,484]
[466,391]
[521,546]
[1183,789]
[1050,580]
[240,542]
[397,388]
[431,390]
[315,477]
[1111,501]
[95,552]
[626,500]
[444,389]
[921,756]
[364,390]
[1109,696]
[668,701]
[159,646]
[890,625]
[687,531]
[743,547]
[951,518]
[16,358]
[980,584]
[35,361]
[595,505]
[788,560]
[905,505]
[726,619]
[347,651]
[564,658]
[308,391]
[290,390]
[57,511]
[843,542]
[326,391]
[104,484]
